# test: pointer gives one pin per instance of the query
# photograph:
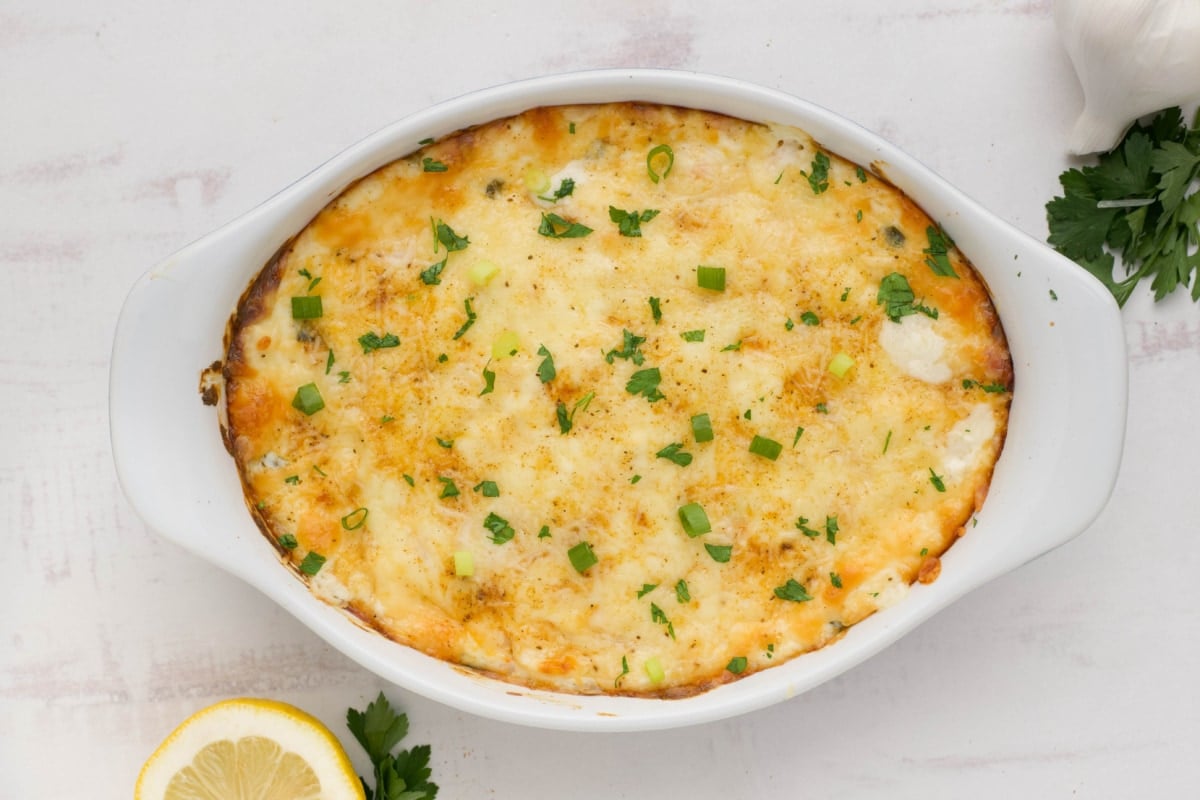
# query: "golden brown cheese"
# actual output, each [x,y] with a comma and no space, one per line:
[453,490]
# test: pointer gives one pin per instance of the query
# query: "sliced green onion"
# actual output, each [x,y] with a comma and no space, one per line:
[660,150]
[702,430]
[355,519]
[737,665]
[721,553]
[582,557]
[767,448]
[694,520]
[536,181]
[308,307]
[654,670]
[288,542]
[482,272]
[312,563]
[693,336]
[840,364]
[308,399]
[505,345]
[464,563]
[711,278]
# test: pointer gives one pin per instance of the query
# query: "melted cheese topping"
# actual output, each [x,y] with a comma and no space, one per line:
[877,470]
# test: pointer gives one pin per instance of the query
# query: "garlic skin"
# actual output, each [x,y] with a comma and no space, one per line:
[1133,57]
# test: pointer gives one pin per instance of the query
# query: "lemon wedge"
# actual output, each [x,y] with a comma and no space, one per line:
[249,748]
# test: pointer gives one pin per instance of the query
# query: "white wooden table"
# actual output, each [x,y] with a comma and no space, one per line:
[128,129]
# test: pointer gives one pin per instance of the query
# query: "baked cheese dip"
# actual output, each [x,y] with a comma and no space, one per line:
[617,399]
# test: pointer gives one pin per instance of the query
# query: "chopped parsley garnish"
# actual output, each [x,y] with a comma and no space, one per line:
[655,309]
[788,324]
[675,453]
[799,433]
[712,278]
[409,479]
[767,448]
[432,275]
[372,341]
[544,533]
[861,174]
[312,563]
[489,381]
[693,336]
[487,488]
[818,178]
[809,318]
[694,520]
[545,370]
[887,442]
[897,298]
[629,223]
[990,388]
[821,408]
[425,141]
[646,589]
[355,519]
[307,307]
[666,152]
[831,529]
[582,557]
[937,253]
[308,399]
[835,580]
[1140,202]
[936,480]
[721,553]
[802,526]
[288,542]
[635,479]
[501,531]
[386,418]
[732,347]
[657,615]
[444,235]
[293,480]
[442,358]
[555,227]
[845,294]
[702,430]
[682,594]
[470,319]
[737,665]
[446,443]
[645,382]
[794,591]
[567,419]
[329,362]
[432,165]
[630,349]
[343,377]
[624,659]
[565,189]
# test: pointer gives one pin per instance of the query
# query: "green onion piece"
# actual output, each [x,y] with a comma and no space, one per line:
[767,448]
[536,181]
[654,670]
[582,557]
[737,665]
[312,563]
[355,519]
[482,272]
[694,519]
[721,553]
[711,278]
[840,364]
[464,563]
[288,542]
[702,430]
[487,488]
[308,307]
[505,345]
[409,479]
[448,488]
[329,362]
[656,151]
[308,399]
[293,480]
[471,315]
[799,433]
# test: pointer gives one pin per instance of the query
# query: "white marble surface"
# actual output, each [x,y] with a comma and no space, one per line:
[129,129]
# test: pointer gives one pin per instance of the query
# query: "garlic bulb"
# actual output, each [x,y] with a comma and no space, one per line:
[1133,57]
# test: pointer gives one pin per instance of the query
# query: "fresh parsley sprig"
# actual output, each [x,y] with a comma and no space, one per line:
[1138,201]
[398,776]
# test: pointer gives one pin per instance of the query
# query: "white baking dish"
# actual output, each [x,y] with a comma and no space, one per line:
[1054,476]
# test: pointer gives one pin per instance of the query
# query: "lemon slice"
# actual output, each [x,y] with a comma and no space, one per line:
[249,749]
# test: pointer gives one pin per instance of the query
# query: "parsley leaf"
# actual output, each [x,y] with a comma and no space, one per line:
[443,234]
[556,227]
[398,776]
[630,349]
[937,256]
[565,189]
[898,300]
[1134,203]
[674,452]
[794,591]
[818,178]
[645,382]
[372,341]
[432,275]
[545,370]
[432,165]
[499,527]
[629,223]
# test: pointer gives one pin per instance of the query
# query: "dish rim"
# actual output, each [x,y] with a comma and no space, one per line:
[1056,472]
